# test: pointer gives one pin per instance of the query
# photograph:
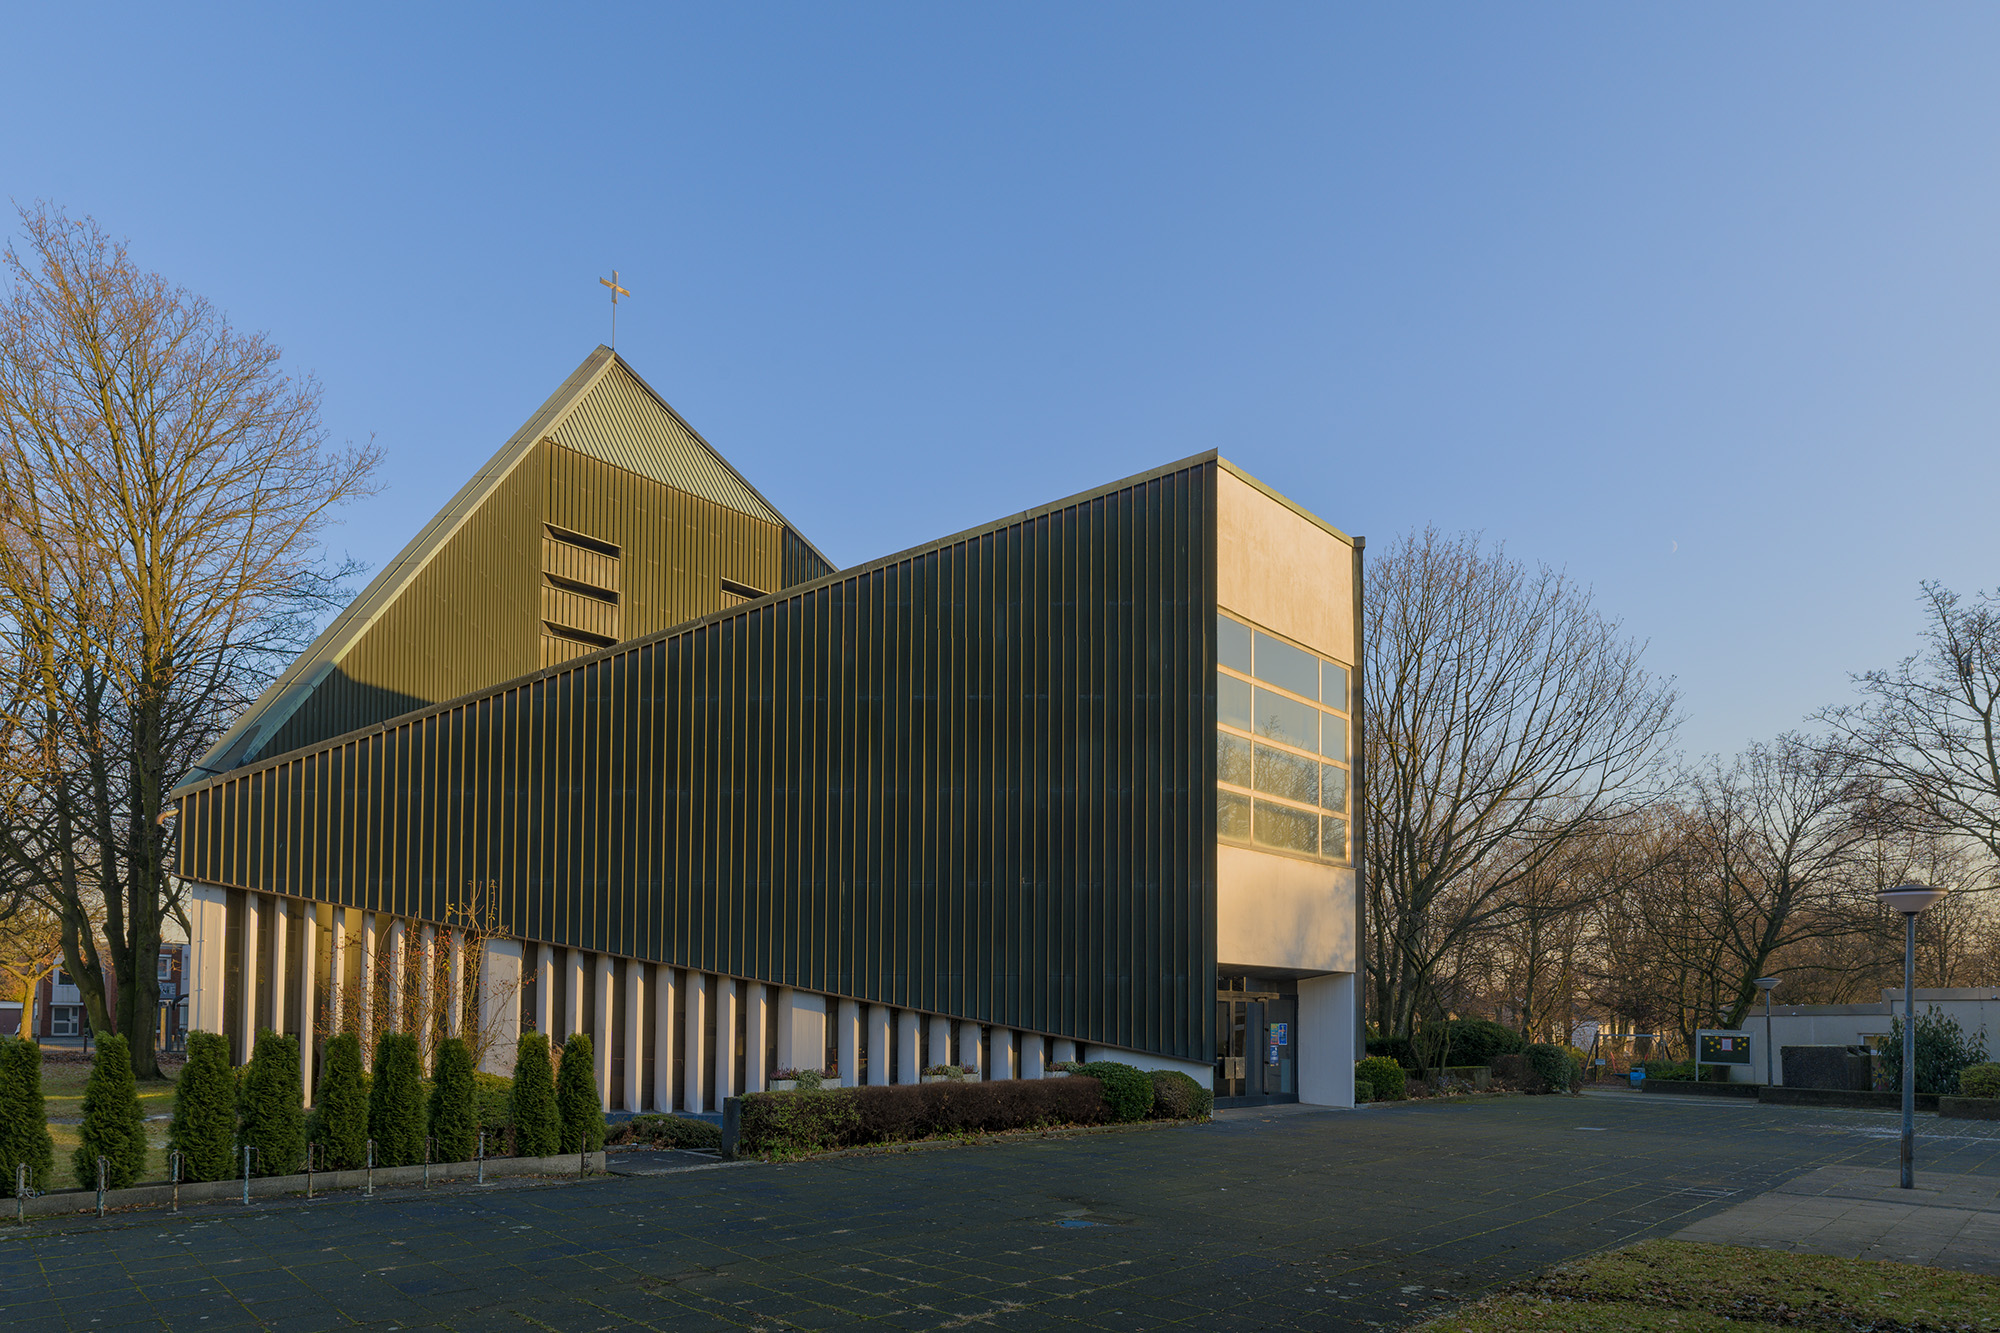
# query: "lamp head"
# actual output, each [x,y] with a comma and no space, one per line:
[1909,899]
[1766,984]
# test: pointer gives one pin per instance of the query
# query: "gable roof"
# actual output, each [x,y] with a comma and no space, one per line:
[603,409]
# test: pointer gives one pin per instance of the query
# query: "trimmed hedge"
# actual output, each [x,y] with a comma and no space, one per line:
[203,1129]
[531,1106]
[1178,1097]
[270,1110]
[1979,1081]
[1384,1077]
[113,1126]
[453,1123]
[339,1122]
[791,1123]
[24,1117]
[1553,1065]
[668,1131]
[1128,1091]
[576,1096]
[396,1102]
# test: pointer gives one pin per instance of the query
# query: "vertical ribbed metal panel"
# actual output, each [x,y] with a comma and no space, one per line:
[976,779]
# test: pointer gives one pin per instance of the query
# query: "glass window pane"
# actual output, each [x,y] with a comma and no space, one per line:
[1232,702]
[1336,838]
[1287,667]
[1292,776]
[1232,644]
[1287,721]
[1282,826]
[1333,737]
[1232,816]
[1333,787]
[1333,686]
[1232,759]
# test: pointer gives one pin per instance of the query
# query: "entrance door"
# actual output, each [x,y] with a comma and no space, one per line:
[1256,1041]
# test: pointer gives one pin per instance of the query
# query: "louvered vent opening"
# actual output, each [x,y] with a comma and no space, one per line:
[580,594]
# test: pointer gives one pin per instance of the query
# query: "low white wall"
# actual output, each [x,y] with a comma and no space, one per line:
[1202,1074]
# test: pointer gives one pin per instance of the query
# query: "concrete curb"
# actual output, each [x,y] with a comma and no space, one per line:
[1681,1088]
[68,1203]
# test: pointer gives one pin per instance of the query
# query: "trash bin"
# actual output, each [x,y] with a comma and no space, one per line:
[1638,1076]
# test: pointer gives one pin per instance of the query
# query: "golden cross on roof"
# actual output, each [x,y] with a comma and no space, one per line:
[616,292]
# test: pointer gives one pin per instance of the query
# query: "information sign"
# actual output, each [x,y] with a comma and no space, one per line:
[1722,1048]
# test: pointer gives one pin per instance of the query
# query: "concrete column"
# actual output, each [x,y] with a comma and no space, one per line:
[972,1049]
[426,996]
[368,944]
[635,1009]
[500,1005]
[545,990]
[399,946]
[881,1046]
[694,1050]
[454,1014]
[308,958]
[1031,1055]
[908,1046]
[756,1018]
[1325,1040]
[1002,1054]
[573,994]
[666,985]
[787,1007]
[1065,1050]
[252,927]
[847,1042]
[208,915]
[336,979]
[725,1040]
[601,1045]
[940,1040]
[281,974]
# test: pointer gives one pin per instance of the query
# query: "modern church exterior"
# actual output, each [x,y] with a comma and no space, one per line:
[610,747]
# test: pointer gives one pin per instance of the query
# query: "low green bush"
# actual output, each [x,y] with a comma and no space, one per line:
[789,1124]
[667,1131]
[531,1104]
[1982,1080]
[1679,1071]
[24,1118]
[491,1094]
[203,1129]
[1396,1049]
[1128,1091]
[1943,1050]
[1479,1041]
[1553,1065]
[1384,1076]
[113,1127]
[1364,1091]
[1178,1097]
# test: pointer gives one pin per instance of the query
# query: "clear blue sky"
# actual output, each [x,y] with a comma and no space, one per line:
[1696,301]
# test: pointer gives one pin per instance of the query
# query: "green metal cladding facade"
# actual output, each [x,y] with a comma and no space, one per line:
[974,779]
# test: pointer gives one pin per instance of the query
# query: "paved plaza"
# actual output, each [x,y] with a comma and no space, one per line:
[1299,1220]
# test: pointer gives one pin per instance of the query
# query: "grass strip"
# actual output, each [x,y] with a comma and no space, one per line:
[1665,1284]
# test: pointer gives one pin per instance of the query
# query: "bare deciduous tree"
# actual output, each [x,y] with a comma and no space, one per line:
[1507,718]
[163,488]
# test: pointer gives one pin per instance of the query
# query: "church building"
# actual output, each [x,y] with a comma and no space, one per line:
[611,747]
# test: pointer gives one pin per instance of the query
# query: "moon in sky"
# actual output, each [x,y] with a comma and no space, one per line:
[1676,547]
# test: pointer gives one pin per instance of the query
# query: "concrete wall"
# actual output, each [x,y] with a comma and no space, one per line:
[1976,1010]
[1282,913]
[1281,570]
[1326,1060]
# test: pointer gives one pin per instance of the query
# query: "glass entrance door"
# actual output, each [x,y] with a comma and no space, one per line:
[1256,1040]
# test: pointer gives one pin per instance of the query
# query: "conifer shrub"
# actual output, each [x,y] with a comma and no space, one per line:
[396,1102]
[1384,1077]
[113,1127]
[453,1121]
[576,1096]
[203,1129]
[270,1109]
[531,1109]
[1178,1097]
[1127,1091]
[339,1123]
[24,1118]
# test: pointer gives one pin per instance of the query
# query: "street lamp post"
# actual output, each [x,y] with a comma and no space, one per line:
[1767,985]
[1910,900]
